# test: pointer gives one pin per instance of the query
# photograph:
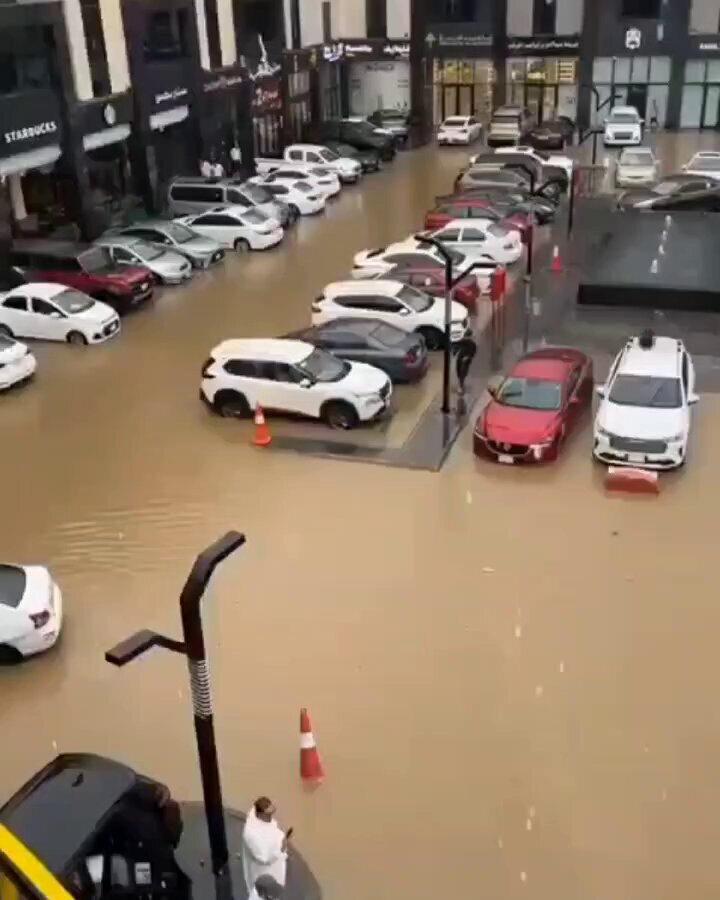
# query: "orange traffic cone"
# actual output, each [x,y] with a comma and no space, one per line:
[262,436]
[556,263]
[311,767]
[632,481]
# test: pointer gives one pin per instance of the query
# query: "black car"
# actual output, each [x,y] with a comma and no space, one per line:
[551,135]
[670,187]
[393,120]
[356,132]
[542,173]
[368,159]
[400,355]
[507,201]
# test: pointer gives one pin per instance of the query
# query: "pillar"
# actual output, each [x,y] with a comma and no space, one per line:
[17,198]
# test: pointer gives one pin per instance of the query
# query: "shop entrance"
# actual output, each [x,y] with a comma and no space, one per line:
[542,101]
[547,87]
[637,96]
[458,100]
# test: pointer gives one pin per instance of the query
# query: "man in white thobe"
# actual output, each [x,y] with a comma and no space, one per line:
[264,849]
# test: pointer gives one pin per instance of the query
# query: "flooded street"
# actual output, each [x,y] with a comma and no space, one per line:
[507,670]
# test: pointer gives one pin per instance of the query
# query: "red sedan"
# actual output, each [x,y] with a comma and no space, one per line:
[475,208]
[535,406]
[432,281]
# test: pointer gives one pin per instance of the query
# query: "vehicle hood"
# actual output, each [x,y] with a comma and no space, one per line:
[631,171]
[368,256]
[704,173]
[636,195]
[639,422]
[458,313]
[125,276]
[99,313]
[168,262]
[13,353]
[519,426]
[364,379]
[612,127]
[201,246]
[347,164]
[38,585]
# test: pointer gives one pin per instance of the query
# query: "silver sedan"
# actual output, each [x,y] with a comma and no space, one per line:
[201,251]
[167,266]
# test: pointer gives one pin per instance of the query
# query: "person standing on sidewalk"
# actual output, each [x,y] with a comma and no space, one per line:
[264,850]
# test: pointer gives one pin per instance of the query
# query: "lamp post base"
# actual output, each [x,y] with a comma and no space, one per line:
[193,856]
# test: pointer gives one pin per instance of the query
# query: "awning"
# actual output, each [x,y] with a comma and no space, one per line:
[169,117]
[107,136]
[32,159]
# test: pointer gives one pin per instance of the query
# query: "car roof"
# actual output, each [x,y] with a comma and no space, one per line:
[552,363]
[59,249]
[662,359]
[461,223]
[44,290]
[707,154]
[363,286]
[624,109]
[271,349]
[231,209]
[351,323]
[118,240]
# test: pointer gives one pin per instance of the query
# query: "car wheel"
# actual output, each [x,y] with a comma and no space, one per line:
[6,331]
[340,415]
[9,654]
[77,338]
[434,339]
[232,405]
[241,245]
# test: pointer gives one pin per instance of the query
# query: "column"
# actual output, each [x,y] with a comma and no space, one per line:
[80,65]
[202,33]
[226,23]
[420,96]
[115,45]
[17,198]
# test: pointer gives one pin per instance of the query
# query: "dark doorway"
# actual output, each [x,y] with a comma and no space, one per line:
[458,100]
[637,97]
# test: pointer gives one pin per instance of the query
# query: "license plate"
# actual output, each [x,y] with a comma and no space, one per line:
[636,457]
[504,458]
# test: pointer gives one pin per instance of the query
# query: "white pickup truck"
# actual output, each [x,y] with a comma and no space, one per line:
[309,157]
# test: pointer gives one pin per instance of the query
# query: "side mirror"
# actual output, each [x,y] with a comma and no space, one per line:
[306,383]
[693,399]
[404,311]
[600,390]
[56,315]
[493,385]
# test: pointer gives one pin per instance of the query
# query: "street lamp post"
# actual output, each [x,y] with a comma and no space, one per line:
[193,648]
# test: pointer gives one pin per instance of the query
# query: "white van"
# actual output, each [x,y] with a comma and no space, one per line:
[623,127]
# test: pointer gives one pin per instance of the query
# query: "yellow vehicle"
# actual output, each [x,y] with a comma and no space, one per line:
[91,828]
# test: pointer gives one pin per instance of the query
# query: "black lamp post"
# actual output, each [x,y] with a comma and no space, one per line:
[193,648]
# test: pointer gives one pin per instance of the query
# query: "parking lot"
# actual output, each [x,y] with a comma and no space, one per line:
[505,666]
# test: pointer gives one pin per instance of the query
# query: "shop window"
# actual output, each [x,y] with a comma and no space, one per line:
[544,15]
[660,69]
[376,18]
[713,70]
[264,17]
[95,43]
[27,58]
[295,24]
[167,35]
[639,73]
[621,74]
[602,70]
[641,9]
[327,21]
[452,10]
[695,71]
[213,33]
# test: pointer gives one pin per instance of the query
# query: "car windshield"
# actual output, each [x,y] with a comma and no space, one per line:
[504,118]
[636,158]
[346,150]
[624,118]
[415,299]
[389,335]
[73,302]
[303,187]
[328,155]
[646,391]
[12,585]
[709,163]
[498,231]
[254,217]
[257,194]
[96,260]
[322,366]
[455,122]
[147,251]
[530,393]
[181,234]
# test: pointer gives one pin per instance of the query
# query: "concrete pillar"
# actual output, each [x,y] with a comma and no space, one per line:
[226,24]
[115,46]
[202,32]
[17,198]
[79,62]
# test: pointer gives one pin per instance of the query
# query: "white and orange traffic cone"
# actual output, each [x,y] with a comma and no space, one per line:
[311,767]
[262,436]
[556,265]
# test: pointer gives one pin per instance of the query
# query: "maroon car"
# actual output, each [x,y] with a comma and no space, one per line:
[85,267]
[432,281]
[476,208]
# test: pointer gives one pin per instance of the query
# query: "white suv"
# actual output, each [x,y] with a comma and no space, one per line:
[644,417]
[622,127]
[393,302]
[293,377]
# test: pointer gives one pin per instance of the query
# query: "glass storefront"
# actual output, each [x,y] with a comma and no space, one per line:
[701,94]
[547,86]
[298,87]
[462,87]
[267,117]
[639,81]
[330,91]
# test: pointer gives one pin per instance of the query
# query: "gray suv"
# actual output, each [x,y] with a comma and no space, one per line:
[195,195]
[201,251]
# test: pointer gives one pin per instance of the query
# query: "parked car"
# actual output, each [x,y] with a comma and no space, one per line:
[540,177]
[506,201]
[292,377]
[671,187]
[322,180]
[432,281]
[17,364]
[368,159]
[87,268]
[394,303]
[508,125]
[459,130]
[393,122]
[623,127]
[644,416]
[491,176]
[167,266]
[480,240]
[475,208]
[410,254]
[400,355]
[53,312]
[199,250]
[188,195]
[636,166]
[535,406]
[706,163]
[552,165]
[31,611]
[358,132]
[552,134]
[702,200]
[311,159]
[301,197]
[236,227]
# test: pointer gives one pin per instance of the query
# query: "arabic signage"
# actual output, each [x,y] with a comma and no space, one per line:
[460,43]
[174,97]
[221,82]
[371,50]
[267,96]
[703,44]
[103,112]
[165,85]
[28,120]
[544,45]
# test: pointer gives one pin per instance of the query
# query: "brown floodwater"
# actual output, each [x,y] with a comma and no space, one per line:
[508,672]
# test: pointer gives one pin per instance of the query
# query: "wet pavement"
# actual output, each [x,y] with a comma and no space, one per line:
[507,670]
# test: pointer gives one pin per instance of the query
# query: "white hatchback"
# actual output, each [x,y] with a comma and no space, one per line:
[393,302]
[481,240]
[17,363]
[53,312]
[30,611]
[644,417]
[291,376]
[323,181]
[236,227]
[299,195]
[706,163]
[459,130]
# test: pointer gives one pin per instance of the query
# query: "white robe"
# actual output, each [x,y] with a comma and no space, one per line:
[262,852]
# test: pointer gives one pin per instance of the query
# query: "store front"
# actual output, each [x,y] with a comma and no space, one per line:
[639,81]
[225,118]
[700,107]
[365,76]
[463,75]
[542,74]
[330,100]
[298,110]
[267,117]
